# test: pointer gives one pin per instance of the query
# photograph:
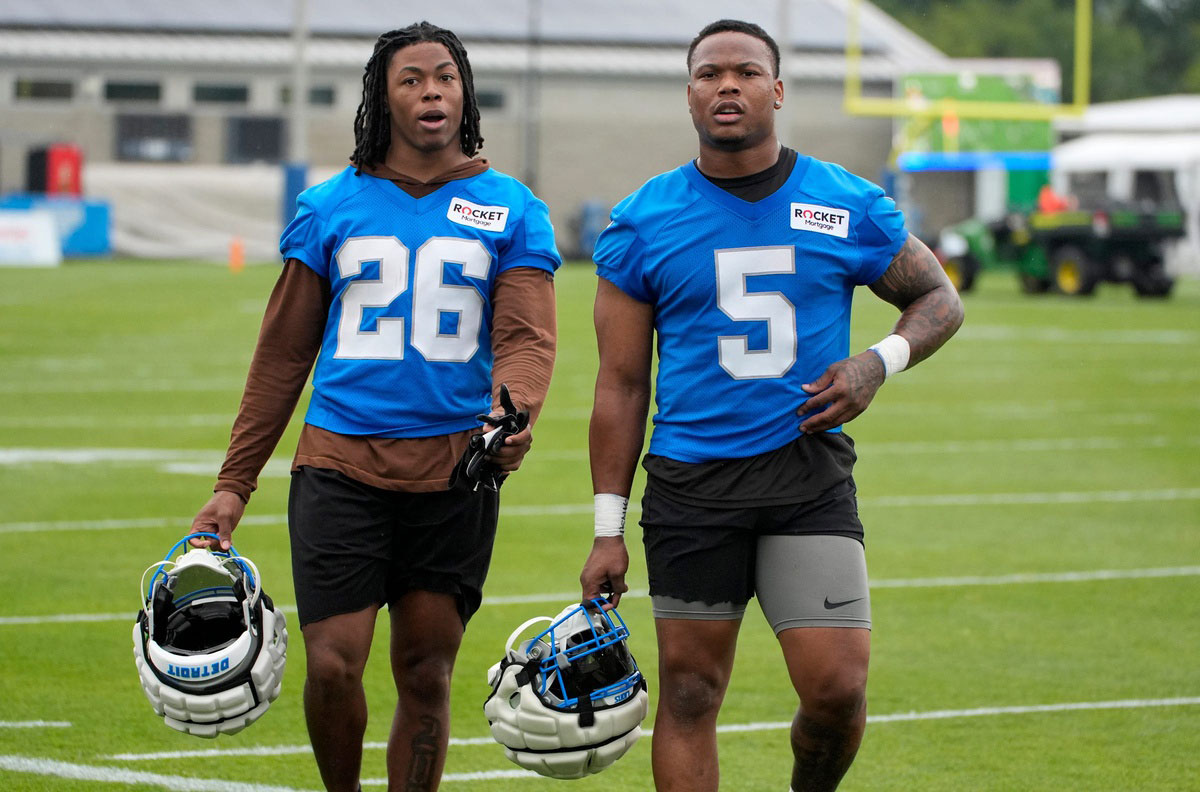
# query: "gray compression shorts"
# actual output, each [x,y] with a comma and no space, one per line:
[810,580]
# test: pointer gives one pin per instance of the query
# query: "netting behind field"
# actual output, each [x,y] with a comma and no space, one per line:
[192,211]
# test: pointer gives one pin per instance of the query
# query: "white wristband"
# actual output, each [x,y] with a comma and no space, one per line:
[893,351]
[610,514]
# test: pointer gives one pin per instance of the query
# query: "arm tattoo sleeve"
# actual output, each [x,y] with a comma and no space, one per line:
[930,309]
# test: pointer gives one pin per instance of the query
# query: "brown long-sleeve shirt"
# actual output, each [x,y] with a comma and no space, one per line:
[524,338]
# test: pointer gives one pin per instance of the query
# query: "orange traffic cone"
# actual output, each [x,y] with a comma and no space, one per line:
[237,255]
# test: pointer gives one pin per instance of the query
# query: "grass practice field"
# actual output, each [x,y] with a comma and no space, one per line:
[1031,497]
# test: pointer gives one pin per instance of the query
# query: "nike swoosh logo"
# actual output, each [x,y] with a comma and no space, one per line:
[831,605]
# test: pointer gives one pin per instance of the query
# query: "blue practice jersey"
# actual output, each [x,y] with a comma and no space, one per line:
[751,300]
[407,345]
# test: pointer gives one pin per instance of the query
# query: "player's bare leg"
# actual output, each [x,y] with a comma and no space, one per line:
[695,659]
[828,668]
[335,706]
[426,634]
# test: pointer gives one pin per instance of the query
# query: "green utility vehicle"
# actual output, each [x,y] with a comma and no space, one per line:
[1069,251]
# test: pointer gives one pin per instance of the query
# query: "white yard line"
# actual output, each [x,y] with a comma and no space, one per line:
[728,728]
[1058,335]
[567,509]
[978,712]
[131,421]
[184,524]
[1033,498]
[199,462]
[35,724]
[119,775]
[194,385]
[1015,578]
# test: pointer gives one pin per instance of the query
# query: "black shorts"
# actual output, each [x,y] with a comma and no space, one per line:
[354,545]
[709,555]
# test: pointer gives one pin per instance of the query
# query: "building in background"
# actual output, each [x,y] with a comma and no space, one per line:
[182,110]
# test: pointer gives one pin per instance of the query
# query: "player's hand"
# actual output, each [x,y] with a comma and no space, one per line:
[219,516]
[604,571]
[842,393]
[509,456]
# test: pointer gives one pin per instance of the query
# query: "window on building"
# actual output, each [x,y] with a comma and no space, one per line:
[254,139]
[489,99]
[117,91]
[33,89]
[220,94]
[318,95]
[154,138]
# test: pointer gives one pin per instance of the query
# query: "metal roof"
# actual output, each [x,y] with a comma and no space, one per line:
[814,24]
[85,49]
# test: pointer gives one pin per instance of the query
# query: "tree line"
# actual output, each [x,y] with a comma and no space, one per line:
[1139,47]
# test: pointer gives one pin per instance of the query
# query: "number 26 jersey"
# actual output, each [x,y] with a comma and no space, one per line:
[406,350]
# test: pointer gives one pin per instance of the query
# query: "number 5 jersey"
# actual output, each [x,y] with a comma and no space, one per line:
[751,299]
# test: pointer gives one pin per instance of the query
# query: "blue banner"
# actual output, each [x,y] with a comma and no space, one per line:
[83,223]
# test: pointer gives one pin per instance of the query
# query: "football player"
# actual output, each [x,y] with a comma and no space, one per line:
[420,281]
[743,262]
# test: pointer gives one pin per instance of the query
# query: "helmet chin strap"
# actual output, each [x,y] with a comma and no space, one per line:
[521,655]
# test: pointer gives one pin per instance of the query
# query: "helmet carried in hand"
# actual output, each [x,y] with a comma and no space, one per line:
[209,645]
[569,701]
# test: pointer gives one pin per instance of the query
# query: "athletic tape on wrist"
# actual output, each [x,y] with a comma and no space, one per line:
[893,351]
[610,514]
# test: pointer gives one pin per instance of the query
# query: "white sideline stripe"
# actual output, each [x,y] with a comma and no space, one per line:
[568,596]
[118,775]
[35,724]
[567,509]
[729,728]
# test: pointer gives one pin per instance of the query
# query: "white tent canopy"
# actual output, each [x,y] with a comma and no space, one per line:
[1174,113]
[1127,151]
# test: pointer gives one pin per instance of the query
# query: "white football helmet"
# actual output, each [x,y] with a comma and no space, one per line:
[569,701]
[209,645]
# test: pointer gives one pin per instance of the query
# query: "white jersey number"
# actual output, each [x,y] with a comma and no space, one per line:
[734,266]
[431,298]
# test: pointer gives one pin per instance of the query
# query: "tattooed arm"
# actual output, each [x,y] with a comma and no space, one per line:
[930,312]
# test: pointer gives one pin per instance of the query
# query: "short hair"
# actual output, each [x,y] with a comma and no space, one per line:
[372,125]
[736,26]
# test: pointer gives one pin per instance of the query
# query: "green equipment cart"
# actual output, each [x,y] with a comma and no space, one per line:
[1067,251]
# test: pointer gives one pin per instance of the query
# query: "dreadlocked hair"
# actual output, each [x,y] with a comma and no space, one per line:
[372,125]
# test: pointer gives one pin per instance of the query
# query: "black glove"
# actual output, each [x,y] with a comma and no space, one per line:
[474,470]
